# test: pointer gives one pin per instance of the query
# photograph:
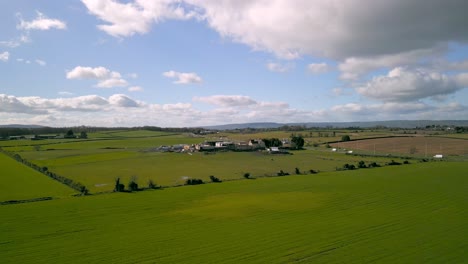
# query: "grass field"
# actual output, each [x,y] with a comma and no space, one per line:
[19,182]
[98,168]
[405,214]
[418,145]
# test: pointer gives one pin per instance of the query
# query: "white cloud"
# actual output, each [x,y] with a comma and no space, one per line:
[106,77]
[11,104]
[113,82]
[402,84]
[354,67]
[5,56]
[13,43]
[318,68]
[80,72]
[122,101]
[183,77]
[135,89]
[226,100]
[42,22]
[41,62]
[122,110]
[135,17]
[277,67]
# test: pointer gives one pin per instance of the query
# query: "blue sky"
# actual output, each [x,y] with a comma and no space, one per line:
[193,62]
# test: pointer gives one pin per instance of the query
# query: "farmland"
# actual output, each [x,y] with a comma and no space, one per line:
[103,157]
[413,214]
[418,146]
[19,182]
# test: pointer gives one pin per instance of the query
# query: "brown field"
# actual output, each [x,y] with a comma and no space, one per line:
[418,146]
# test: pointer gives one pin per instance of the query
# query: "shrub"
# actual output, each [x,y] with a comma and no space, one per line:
[349,166]
[391,163]
[193,181]
[214,179]
[152,184]
[345,138]
[247,175]
[298,171]
[362,164]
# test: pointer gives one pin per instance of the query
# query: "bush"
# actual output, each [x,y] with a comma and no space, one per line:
[193,181]
[313,171]
[345,138]
[298,171]
[247,175]
[152,184]
[133,185]
[373,165]
[214,179]
[349,166]
[362,164]
[392,163]
[282,173]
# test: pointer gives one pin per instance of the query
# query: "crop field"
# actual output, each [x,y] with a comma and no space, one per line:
[418,146]
[415,213]
[19,182]
[98,161]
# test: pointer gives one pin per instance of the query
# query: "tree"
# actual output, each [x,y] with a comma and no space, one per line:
[70,134]
[119,187]
[83,134]
[133,185]
[298,171]
[345,138]
[247,175]
[298,141]
[362,164]
[214,179]
[272,142]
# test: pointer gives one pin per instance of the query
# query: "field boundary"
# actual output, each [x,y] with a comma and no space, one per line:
[26,200]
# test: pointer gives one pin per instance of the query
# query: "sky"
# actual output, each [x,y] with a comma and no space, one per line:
[187,63]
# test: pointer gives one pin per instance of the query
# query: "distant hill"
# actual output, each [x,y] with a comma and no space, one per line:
[20,126]
[390,124]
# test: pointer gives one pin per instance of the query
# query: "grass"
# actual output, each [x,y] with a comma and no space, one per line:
[417,146]
[406,214]
[97,169]
[19,182]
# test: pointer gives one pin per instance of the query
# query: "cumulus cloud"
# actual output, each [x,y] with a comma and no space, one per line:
[11,104]
[41,22]
[353,68]
[183,77]
[122,110]
[106,77]
[134,17]
[4,56]
[401,84]
[226,100]
[278,67]
[122,101]
[318,68]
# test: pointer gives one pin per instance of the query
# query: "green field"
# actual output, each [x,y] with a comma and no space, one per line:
[105,156]
[401,214]
[19,182]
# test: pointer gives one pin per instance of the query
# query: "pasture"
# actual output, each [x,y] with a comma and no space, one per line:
[19,182]
[401,214]
[105,156]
